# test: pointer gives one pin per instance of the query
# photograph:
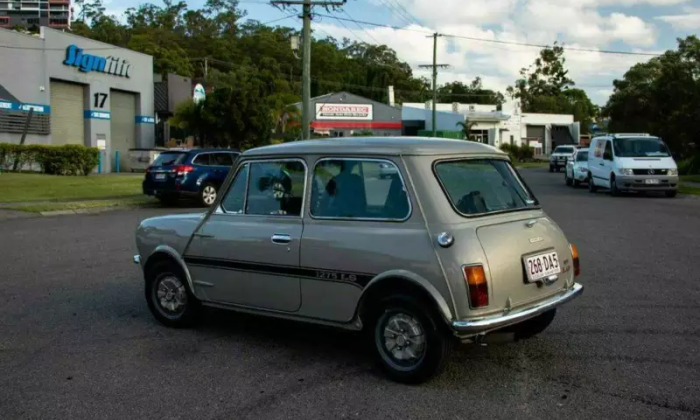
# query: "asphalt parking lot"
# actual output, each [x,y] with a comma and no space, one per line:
[77,340]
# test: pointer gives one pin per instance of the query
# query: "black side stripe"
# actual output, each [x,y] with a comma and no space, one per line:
[358,279]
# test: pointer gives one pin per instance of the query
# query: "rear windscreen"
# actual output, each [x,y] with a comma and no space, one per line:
[582,156]
[169,158]
[562,149]
[478,186]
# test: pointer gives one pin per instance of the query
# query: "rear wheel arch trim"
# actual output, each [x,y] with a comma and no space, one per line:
[171,254]
[414,279]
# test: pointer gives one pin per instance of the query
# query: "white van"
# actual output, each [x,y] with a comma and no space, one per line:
[631,162]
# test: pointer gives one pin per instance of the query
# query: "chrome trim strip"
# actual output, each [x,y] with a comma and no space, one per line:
[494,322]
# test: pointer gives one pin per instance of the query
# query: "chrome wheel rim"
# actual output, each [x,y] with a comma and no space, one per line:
[402,341]
[171,296]
[209,195]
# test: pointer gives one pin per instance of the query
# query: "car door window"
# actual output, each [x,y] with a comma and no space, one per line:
[234,202]
[276,188]
[358,189]
[202,159]
[607,154]
[223,159]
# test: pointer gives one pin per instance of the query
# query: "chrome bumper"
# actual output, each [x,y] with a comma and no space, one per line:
[495,322]
[137,259]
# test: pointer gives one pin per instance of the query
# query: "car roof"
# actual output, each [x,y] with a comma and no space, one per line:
[409,146]
[203,150]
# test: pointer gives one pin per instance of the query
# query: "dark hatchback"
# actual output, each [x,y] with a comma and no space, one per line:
[196,173]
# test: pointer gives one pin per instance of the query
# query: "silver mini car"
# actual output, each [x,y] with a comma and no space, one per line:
[451,246]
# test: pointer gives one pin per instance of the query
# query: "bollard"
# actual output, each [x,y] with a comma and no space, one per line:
[117,162]
[99,163]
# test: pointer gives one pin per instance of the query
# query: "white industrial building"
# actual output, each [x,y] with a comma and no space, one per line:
[509,125]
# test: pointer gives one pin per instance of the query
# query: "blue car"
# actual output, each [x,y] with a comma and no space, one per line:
[196,173]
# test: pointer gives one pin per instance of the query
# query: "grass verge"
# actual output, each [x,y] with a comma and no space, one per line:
[686,189]
[690,178]
[86,205]
[18,187]
[525,165]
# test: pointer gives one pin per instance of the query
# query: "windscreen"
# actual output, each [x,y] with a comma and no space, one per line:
[640,147]
[582,156]
[478,186]
[169,158]
[564,149]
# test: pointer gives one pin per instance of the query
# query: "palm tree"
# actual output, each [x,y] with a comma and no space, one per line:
[466,127]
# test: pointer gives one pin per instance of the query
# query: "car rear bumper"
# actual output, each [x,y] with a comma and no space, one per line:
[169,188]
[638,183]
[494,322]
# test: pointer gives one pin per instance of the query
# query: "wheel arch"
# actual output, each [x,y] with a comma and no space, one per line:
[404,281]
[167,253]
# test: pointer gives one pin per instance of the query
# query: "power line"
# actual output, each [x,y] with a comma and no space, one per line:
[522,44]
[360,26]
[395,12]
[406,12]
[362,41]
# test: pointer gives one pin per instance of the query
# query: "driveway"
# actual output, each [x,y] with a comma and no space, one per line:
[77,341]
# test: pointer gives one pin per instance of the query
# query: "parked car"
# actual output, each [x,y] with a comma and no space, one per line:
[632,162]
[576,170]
[559,157]
[455,247]
[196,173]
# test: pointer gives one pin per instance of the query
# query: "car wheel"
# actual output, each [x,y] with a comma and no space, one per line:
[551,168]
[567,180]
[207,196]
[576,183]
[533,326]
[614,191]
[671,194]
[168,200]
[591,185]
[168,296]
[409,342]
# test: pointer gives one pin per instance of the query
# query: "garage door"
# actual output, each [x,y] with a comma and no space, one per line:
[123,127]
[67,114]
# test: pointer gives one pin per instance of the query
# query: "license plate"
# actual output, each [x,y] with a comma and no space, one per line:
[651,181]
[160,176]
[541,266]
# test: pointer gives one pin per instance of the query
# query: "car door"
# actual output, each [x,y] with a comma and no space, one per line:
[247,252]
[222,163]
[606,164]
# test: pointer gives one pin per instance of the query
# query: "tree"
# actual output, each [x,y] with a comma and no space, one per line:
[661,97]
[466,126]
[473,93]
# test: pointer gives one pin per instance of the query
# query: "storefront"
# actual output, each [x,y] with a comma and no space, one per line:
[343,114]
[80,91]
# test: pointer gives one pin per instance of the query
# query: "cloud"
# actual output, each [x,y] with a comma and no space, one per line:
[688,21]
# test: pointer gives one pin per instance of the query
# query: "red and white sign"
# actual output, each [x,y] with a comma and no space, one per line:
[343,112]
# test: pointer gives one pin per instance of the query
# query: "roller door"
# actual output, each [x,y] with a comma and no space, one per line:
[67,114]
[123,128]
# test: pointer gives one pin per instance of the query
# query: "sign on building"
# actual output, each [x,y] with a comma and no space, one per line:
[343,112]
[199,94]
[86,63]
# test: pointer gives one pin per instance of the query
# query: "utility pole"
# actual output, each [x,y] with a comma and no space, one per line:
[435,66]
[306,56]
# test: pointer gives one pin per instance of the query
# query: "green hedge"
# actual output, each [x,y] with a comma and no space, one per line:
[55,160]
[517,153]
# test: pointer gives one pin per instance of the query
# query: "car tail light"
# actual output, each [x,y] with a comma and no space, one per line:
[577,263]
[183,169]
[478,288]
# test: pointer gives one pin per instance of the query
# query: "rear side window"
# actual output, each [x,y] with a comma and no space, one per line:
[358,189]
[203,160]
[222,159]
[479,186]
[169,158]
[582,156]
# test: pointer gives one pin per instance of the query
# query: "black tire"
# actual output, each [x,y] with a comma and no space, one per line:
[207,195]
[406,312]
[671,194]
[591,185]
[168,199]
[576,183]
[533,326]
[163,272]
[614,191]
[568,181]
[551,168]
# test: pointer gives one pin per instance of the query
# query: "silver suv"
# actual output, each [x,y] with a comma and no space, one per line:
[451,246]
[559,158]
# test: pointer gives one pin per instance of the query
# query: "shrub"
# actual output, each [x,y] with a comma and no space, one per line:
[56,160]
[519,153]
[690,166]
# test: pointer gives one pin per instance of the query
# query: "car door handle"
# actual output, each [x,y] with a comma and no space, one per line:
[281,238]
